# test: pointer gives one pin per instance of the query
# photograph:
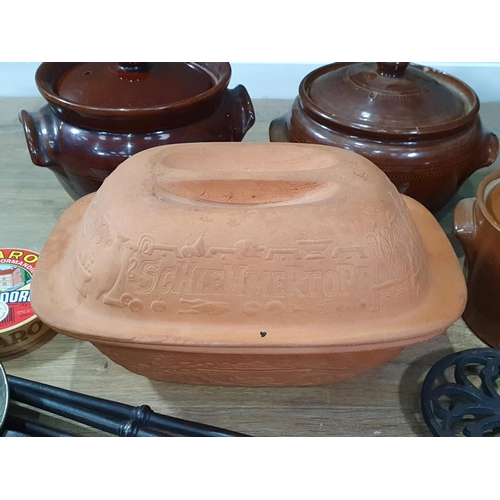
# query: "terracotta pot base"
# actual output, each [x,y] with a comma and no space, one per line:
[247,370]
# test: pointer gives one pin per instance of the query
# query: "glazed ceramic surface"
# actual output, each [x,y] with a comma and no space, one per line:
[99,114]
[419,125]
[248,264]
[477,226]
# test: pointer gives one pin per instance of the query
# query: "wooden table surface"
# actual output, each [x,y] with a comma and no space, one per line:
[384,402]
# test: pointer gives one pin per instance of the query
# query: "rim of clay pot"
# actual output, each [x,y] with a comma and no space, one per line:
[130,119]
[461,89]
[434,312]
[485,187]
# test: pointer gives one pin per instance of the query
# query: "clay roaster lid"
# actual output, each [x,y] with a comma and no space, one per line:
[172,250]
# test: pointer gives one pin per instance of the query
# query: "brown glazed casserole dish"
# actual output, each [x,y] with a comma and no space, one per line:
[419,125]
[99,114]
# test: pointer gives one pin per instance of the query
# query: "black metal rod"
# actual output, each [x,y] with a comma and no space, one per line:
[32,429]
[143,415]
[96,419]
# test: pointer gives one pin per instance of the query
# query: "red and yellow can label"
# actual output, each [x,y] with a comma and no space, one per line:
[19,326]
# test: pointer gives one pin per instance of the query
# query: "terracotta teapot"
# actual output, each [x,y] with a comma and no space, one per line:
[253,264]
[477,226]
[419,125]
[99,114]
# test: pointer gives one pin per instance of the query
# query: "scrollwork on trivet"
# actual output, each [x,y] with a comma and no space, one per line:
[461,394]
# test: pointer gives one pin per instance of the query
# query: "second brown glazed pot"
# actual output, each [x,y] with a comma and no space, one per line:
[419,125]
[252,264]
[99,114]
[477,226]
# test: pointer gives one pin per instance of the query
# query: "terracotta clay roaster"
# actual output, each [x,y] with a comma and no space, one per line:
[248,264]
[419,125]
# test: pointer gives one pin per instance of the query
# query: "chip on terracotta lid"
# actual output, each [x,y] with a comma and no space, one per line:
[20,328]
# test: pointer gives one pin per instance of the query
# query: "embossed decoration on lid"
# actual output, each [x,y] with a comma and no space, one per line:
[387,98]
[206,244]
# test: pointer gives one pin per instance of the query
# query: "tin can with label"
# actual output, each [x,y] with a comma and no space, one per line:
[20,328]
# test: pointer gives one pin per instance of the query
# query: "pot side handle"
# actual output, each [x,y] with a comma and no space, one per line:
[465,228]
[490,147]
[241,107]
[489,151]
[36,141]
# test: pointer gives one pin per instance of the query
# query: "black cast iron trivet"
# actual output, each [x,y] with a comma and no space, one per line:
[461,394]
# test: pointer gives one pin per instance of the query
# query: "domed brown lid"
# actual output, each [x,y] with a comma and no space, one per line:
[132,85]
[130,94]
[387,98]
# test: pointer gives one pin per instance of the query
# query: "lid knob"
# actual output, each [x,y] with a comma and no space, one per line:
[133,66]
[392,69]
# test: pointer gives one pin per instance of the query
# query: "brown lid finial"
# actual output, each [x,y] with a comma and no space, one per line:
[392,69]
[133,66]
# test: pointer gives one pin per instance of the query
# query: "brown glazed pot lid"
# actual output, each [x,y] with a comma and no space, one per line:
[387,98]
[152,93]
[206,246]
